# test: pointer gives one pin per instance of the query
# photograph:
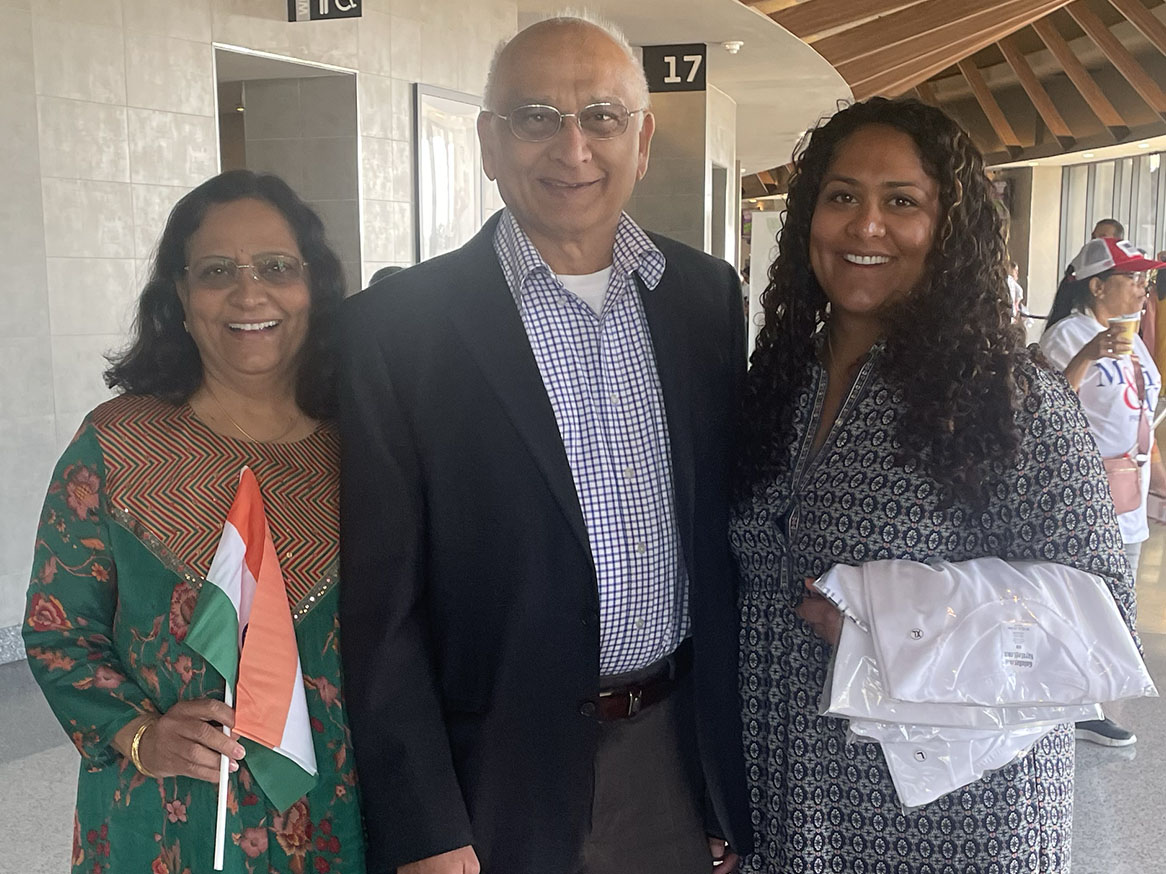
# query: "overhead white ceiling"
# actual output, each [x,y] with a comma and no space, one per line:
[780,84]
[1089,156]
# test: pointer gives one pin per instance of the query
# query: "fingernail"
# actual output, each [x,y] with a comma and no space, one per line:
[239,751]
[234,767]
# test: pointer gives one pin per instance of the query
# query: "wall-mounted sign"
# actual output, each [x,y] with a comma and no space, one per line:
[321,10]
[675,68]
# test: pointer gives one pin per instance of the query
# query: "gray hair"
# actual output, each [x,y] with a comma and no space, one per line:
[573,17]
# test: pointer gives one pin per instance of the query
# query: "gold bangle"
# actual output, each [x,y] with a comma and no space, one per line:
[135,752]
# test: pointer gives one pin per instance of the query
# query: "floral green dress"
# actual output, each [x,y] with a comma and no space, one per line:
[132,519]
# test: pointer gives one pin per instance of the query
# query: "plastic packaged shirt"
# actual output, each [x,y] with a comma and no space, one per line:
[923,771]
[987,654]
[855,690]
[995,633]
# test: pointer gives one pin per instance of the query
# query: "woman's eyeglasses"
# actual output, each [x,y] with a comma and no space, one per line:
[217,274]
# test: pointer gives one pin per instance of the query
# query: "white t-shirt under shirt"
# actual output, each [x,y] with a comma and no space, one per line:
[1109,397]
[591,288]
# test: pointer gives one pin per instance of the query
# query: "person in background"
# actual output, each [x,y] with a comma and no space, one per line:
[231,364]
[1015,291]
[1108,227]
[893,412]
[538,430]
[383,272]
[1114,375]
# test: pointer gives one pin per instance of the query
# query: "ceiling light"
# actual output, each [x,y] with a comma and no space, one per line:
[1143,145]
[239,107]
[1086,154]
[732,46]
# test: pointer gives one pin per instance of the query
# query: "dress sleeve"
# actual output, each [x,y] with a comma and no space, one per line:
[71,605]
[1060,498]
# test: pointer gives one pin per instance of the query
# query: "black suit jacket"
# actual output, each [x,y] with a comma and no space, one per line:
[469,604]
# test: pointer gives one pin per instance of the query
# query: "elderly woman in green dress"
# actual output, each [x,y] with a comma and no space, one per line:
[231,365]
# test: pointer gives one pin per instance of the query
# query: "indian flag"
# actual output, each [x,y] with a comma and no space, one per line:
[242,626]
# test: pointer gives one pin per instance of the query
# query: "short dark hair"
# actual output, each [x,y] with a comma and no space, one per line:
[1117,226]
[383,272]
[162,359]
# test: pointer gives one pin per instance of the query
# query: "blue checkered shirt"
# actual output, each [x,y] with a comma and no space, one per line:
[600,374]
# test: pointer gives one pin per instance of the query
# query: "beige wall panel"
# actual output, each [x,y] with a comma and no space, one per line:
[107,13]
[406,48]
[26,379]
[374,100]
[388,231]
[167,148]
[174,75]
[376,44]
[152,205]
[181,19]
[87,219]
[83,140]
[91,295]
[80,61]
[78,363]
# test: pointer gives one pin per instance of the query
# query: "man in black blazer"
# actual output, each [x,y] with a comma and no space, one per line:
[538,607]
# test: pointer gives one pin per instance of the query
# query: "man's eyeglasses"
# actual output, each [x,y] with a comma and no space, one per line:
[537,122]
[217,274]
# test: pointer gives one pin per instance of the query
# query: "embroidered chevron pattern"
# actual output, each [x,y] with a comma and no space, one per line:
[176,477]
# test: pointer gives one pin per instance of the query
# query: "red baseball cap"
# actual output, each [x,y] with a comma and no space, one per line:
[1120,256]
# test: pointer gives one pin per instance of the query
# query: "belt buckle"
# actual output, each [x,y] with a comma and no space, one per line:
[635,698]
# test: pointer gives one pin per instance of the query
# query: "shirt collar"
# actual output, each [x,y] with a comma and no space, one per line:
[634,252]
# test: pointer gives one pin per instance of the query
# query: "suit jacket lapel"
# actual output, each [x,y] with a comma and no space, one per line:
[489,324]
[665,309]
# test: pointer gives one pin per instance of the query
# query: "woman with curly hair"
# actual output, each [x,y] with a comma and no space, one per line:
[231,364]
[893,412]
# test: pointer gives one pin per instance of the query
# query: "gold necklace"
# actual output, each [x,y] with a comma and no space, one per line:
[295,420]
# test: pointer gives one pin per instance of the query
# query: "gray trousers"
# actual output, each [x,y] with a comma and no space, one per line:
[646,809]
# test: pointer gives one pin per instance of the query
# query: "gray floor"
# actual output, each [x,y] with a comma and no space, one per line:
[1117,823]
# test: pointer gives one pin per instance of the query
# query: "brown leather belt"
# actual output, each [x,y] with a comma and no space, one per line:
[624,702]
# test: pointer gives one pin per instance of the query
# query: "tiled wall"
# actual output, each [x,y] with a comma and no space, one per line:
[305,130]
[107,109]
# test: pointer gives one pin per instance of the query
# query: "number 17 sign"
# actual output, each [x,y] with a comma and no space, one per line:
[675,68]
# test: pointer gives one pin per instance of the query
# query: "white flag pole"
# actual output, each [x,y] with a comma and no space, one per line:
[224,771]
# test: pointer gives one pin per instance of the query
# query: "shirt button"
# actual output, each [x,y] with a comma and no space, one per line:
[629,472]
[613,399]
[641,548]
[639,623]
[587,708]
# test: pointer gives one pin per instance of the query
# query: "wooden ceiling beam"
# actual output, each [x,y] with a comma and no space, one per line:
[1098,103]
[926,92]
[1119,56]
[1143,19]
[991,108]
[1036,93]
[900,68]
[768,7]
[932,23]
[809,20]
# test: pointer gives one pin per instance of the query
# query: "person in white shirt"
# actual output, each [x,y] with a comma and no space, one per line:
[1116,379]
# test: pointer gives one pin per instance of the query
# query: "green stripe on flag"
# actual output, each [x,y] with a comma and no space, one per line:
[282,780]
[214,631]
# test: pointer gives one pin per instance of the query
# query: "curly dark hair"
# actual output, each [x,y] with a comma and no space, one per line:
[964,374]
[162,359]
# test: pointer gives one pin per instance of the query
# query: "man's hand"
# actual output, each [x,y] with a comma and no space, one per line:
[460,861]
[725,861]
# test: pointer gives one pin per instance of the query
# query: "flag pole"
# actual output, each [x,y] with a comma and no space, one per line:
[224,771]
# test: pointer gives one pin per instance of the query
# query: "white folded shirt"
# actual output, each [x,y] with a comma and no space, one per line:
[855,690]
[995,633]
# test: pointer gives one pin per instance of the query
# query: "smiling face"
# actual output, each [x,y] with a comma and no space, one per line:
[250,332]
[566,192]
[874,222]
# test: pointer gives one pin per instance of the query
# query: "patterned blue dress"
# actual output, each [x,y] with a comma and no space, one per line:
[819,802]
